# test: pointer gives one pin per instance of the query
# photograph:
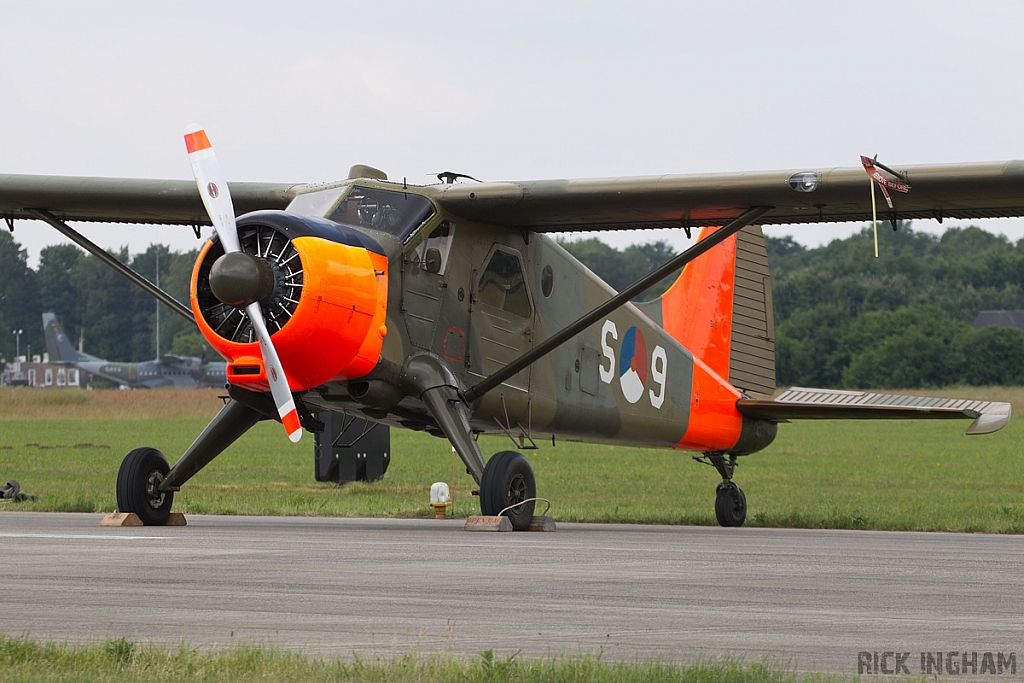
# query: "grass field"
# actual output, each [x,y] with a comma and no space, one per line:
[25,661]
[65,447]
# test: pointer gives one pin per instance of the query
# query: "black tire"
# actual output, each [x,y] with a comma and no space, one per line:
[141,472]
[508,479]
[730,505]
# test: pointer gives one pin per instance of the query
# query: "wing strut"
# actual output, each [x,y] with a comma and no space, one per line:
[101,253]
[638,287]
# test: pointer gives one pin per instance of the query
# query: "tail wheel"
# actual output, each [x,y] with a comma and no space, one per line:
[138,486]
[508,481]
[730,505]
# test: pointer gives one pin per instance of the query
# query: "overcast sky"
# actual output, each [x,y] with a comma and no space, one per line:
[300,91]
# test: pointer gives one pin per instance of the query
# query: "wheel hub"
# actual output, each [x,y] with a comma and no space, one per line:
[517,490]
[154,496]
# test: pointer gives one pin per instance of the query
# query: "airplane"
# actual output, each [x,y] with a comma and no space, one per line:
[166,371]
[447,308]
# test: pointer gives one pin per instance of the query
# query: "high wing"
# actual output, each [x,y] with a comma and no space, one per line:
[970,190]
[129,200]
[329,352]
[938,191]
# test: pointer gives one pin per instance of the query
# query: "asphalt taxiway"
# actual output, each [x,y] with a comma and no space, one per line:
[378,587]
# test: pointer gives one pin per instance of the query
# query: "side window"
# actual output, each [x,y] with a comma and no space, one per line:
[502,284]
[432,253]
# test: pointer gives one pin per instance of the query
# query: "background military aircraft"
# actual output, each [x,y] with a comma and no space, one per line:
[446,308]
[166,371]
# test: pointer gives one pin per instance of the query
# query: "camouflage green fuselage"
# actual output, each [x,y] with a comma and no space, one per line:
[496,294]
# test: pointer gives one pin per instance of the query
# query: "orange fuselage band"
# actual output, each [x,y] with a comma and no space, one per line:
[715,423]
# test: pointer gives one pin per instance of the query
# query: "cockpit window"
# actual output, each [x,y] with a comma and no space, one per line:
[318,203]
[397,213]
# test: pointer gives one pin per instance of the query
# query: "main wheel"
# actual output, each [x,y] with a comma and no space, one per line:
[508,480]
[138,486]
[730,505]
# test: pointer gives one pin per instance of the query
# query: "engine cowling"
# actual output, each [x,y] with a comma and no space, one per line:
[326,309]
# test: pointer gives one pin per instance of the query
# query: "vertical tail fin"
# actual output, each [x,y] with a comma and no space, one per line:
[58,346]
[720,308]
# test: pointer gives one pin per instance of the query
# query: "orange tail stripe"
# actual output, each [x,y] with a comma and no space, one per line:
[698,308]
[197,141]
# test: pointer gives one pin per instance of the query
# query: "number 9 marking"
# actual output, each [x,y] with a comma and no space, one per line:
[658,364]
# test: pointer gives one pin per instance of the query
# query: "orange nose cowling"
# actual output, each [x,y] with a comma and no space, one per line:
[338,327]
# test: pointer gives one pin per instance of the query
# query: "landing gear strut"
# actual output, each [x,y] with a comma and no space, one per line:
[507,486]
[508,482]
[730,503]
[146,484]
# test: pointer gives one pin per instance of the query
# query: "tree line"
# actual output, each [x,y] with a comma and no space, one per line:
[115,318]
[903,320]
[842,317]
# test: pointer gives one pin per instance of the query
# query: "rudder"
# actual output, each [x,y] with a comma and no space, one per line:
[720,308]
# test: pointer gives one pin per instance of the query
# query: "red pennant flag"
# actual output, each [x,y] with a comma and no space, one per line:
[883,181]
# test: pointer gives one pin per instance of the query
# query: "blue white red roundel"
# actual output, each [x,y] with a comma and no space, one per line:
[633,365]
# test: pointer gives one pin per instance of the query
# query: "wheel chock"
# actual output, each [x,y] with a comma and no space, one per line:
[176,519]
[132,519]
[488,523]
[542,523]
[121,519]
[492,523]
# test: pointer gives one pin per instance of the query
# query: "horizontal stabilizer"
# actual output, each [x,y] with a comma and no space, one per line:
[799,403]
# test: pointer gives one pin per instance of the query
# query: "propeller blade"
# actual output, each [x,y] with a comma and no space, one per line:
[275,373]
[217,200]
[212,187]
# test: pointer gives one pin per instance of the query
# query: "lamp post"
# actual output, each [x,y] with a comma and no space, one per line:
[17,343]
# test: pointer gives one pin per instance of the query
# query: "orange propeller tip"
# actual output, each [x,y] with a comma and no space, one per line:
[292,425]
[195,139]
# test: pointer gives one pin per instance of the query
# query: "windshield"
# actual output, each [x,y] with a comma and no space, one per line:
[397,213]
[317,203]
